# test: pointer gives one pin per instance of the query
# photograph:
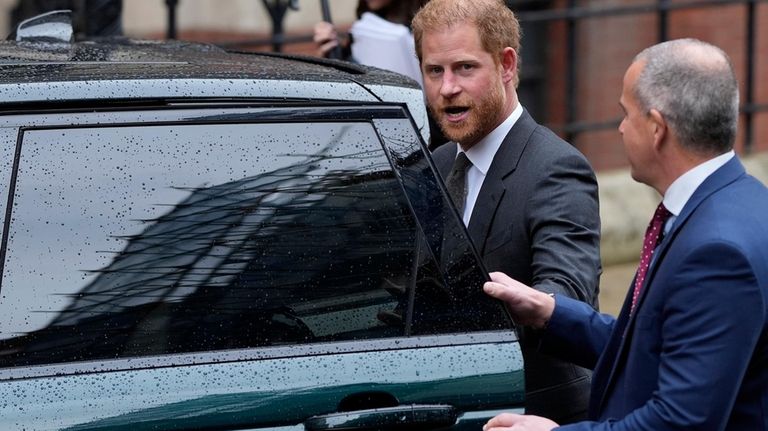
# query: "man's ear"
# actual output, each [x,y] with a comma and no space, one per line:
[508,64]
[659,130]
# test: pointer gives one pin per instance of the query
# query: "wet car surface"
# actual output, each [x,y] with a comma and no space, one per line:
[201,239]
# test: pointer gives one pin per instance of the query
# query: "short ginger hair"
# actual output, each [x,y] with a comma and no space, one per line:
[496,23]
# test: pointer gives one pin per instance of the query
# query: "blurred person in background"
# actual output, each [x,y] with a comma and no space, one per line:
[398,12]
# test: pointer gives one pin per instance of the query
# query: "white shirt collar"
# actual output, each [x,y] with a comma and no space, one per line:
[682,188]
[481,154]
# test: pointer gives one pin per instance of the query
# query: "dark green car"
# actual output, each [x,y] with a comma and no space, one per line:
[200,239]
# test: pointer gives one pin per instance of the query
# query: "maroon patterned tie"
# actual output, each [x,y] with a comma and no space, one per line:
[652,235]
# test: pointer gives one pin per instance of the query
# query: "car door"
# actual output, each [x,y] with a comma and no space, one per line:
[246,267]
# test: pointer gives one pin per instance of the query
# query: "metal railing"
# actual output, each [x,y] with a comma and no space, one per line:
[277,10]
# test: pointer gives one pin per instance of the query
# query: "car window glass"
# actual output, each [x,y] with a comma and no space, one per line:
[131,241]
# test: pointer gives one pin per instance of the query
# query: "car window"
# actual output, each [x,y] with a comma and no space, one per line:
[137,240]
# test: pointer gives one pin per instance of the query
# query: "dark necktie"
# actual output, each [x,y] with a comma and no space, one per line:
[652,238]
[457,181]
[457,189]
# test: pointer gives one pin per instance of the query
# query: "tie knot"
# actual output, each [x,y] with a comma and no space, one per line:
[662,214]
[461,163]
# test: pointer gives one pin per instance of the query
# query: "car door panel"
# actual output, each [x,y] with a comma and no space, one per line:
[249,393]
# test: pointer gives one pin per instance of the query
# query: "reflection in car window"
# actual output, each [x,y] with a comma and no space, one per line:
[448,298]
[136,241]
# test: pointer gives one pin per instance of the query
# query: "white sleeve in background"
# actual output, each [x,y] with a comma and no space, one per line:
[384,44]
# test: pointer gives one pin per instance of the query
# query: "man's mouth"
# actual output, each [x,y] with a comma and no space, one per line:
[456,113]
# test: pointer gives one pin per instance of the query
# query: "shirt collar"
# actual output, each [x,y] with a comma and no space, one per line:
[682,188]
[481,154]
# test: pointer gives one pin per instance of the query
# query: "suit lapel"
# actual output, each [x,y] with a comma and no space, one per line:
[617,347]
[493,189]
[725,175]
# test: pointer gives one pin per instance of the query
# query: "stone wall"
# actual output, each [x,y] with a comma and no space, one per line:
[626,206]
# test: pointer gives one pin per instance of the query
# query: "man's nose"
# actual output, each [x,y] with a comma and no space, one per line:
[450,86]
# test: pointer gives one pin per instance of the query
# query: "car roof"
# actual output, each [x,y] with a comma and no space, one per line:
[121,58]
[36,73]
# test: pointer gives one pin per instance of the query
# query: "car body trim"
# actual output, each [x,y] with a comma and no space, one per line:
[272,352]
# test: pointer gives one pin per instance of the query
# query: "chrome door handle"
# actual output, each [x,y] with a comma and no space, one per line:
[424,416]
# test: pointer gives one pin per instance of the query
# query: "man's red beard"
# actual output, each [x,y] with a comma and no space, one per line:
[482,118]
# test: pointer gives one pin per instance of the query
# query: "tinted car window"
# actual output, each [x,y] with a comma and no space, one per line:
[139,240]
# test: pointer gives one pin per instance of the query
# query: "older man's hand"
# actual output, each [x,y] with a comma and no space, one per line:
[515,422]
[527,305]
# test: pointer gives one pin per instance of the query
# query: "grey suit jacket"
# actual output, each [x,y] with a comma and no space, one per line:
[537,220]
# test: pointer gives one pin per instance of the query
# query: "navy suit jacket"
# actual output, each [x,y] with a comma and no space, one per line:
[694,354]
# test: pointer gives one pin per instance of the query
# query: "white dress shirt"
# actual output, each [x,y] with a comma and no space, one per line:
[681,190]
[481,155]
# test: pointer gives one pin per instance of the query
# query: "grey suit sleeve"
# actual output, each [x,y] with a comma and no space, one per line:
[563,220]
